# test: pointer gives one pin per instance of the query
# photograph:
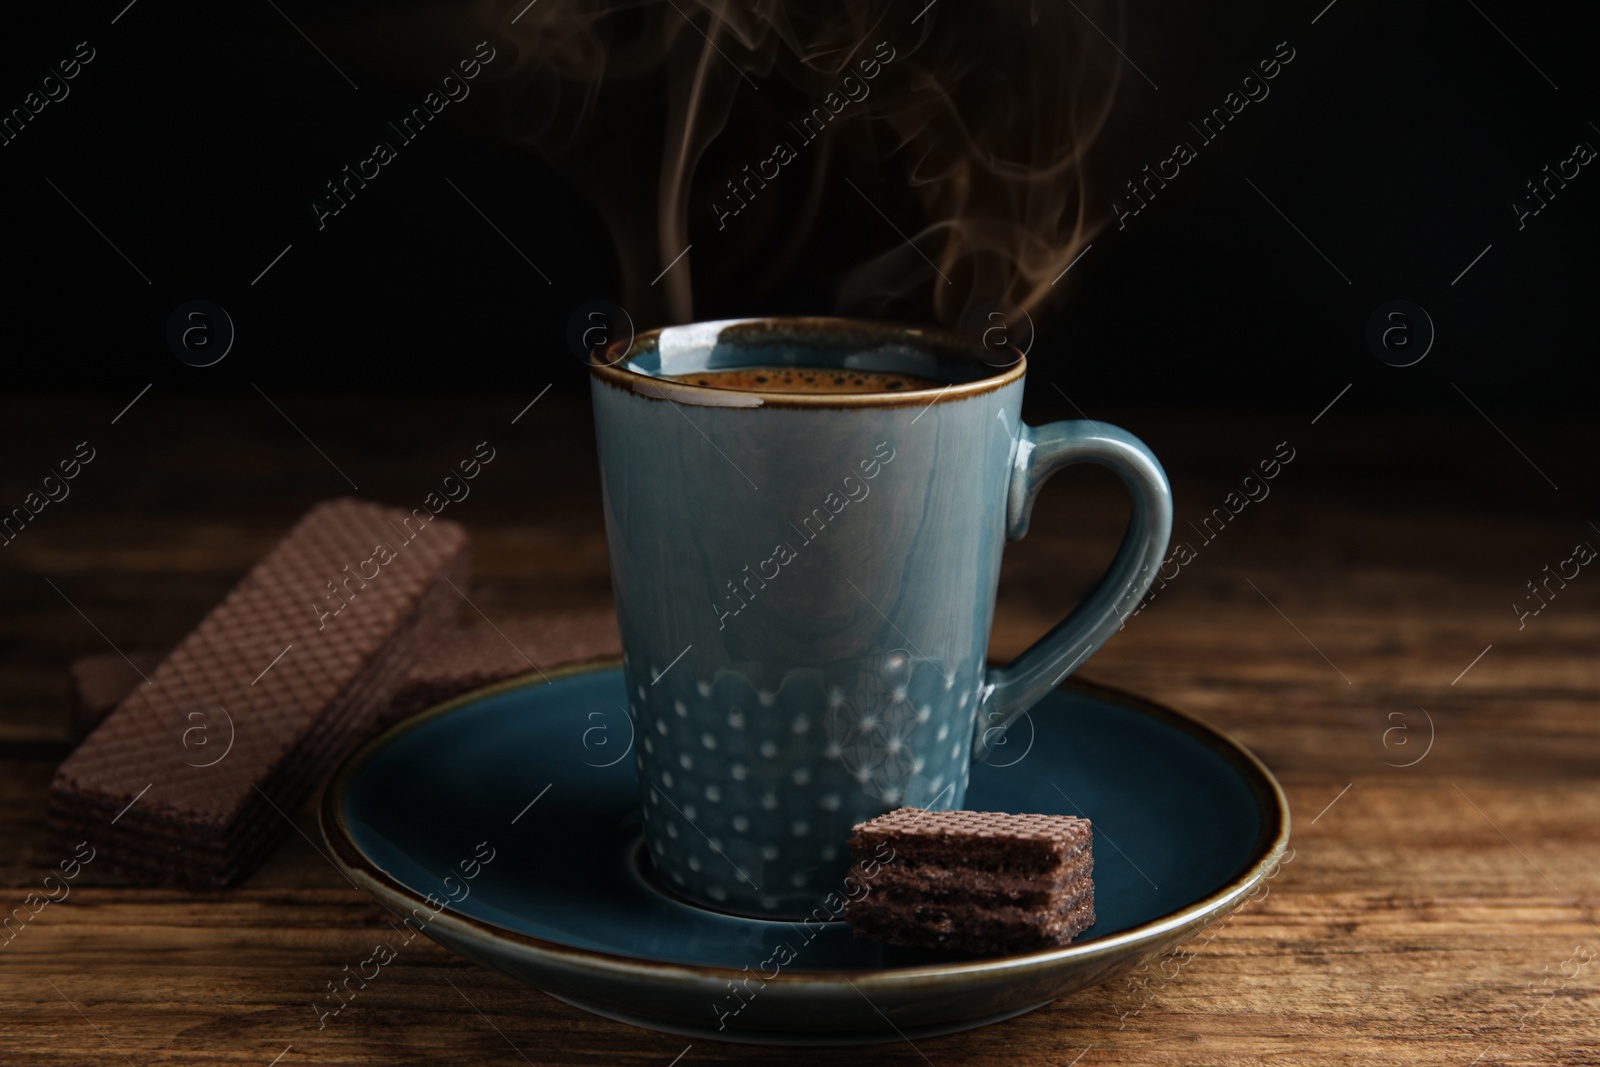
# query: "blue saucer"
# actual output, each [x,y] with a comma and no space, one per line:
[505,825]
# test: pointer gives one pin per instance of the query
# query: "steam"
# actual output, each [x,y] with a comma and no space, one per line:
[994,144]
[972,141]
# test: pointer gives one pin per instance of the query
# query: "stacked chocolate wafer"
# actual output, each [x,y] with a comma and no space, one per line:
[980,882]
[192,778]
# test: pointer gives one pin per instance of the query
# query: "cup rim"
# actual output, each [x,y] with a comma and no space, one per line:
[610,365]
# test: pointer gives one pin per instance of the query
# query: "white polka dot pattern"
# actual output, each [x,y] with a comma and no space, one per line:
[752,791]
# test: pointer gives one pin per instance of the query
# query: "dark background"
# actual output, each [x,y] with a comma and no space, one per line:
[1395,141]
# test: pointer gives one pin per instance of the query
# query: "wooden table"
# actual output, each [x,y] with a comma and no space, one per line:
[1436,913]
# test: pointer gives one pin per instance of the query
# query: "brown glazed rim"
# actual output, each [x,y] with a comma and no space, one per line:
[1271,843]
[611,367]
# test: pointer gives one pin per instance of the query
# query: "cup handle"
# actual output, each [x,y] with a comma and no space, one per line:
[1011,690]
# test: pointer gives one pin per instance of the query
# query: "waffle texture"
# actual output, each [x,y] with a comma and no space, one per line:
[285,677]
[466,657]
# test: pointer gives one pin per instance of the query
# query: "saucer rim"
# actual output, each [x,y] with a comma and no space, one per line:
[1270,846]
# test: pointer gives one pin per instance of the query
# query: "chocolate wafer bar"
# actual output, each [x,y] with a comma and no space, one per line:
[980,882]
[192,779]
[100,681]
[465,658]
[483,653]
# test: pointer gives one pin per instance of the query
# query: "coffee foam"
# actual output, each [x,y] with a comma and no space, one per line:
[816,380]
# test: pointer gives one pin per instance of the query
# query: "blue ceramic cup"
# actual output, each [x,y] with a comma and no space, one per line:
[805,584]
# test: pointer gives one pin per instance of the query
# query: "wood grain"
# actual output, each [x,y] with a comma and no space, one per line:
[1437,913]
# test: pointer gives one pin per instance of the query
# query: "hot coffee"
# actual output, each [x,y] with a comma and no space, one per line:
[804,559]
[807,380]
